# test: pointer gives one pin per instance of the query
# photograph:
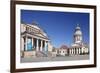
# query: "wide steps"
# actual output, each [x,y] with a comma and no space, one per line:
[43,54]
[40,54]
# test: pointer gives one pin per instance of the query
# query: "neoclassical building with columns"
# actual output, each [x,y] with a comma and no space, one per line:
[78,47]
[34,41]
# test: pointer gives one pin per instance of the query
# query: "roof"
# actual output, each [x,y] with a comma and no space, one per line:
[36,26]
[78,32]
[63,47]
[76,45]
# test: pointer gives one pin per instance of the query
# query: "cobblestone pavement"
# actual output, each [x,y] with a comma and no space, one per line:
[64,58]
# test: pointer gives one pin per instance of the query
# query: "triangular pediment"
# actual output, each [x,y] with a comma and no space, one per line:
[41,35]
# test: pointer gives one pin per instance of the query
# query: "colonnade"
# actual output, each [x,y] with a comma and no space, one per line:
[75,51]
[37,44]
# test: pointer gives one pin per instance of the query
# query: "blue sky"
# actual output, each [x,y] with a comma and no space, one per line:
[59,26]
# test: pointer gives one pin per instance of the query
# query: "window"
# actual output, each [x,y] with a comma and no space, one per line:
[29,44]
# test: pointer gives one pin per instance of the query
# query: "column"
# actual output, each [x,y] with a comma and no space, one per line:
[41,46]
[46,46]
[22,44]
[79,51]
[26,43]
[82,50]
[22,47]
[74,51]
[37,45]
[70,51]
[87,50]
[32,44]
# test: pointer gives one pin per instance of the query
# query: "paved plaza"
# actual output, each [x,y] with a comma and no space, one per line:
[63,58]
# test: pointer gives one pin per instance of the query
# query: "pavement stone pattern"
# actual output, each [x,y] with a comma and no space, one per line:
[62,58]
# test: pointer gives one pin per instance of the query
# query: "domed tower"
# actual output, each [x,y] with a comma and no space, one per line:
[78,35]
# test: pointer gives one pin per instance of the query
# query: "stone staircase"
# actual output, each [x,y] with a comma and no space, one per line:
[49,54]
[40,54]
[43,54]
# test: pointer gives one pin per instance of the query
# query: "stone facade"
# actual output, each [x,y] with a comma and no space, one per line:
[34,40]
[35,43]
[78,47]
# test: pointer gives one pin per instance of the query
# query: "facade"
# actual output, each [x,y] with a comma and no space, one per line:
[78,47]
[63,51]
[34,41]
